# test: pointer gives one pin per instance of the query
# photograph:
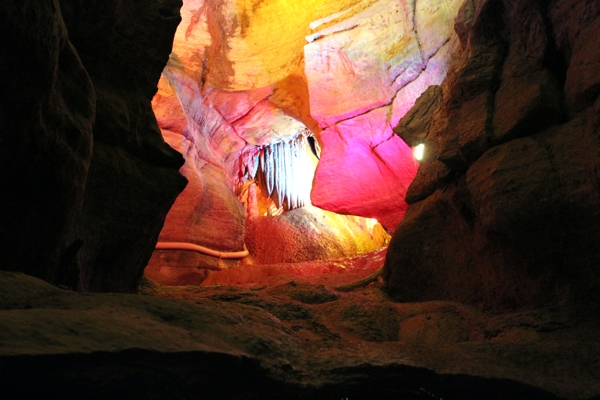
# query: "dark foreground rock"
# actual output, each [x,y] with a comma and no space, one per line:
[47,113]
[86,177]
[282,339]
[505,208]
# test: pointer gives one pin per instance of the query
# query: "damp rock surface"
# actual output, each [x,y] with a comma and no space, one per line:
[285,337]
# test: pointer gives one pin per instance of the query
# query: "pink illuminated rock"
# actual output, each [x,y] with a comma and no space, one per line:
[364,74]
[362,175]
[364,66]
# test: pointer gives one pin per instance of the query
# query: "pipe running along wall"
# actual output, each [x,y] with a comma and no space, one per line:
[202,250]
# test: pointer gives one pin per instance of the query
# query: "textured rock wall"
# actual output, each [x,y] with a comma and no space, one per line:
[219,48]
[217,130]
[350,67]
[87,178]
[47,111]
[364,73]
[504,210]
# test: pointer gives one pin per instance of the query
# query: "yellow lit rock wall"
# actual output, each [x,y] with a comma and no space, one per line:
[248,73]
[261,41]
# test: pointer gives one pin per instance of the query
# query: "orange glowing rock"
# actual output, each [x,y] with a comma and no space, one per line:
[247,44]
[250,73]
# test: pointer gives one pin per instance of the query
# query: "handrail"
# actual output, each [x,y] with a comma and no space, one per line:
[202,250]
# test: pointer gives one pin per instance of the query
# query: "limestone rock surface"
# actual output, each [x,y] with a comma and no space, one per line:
[504,207]
[364,73]
[88,178]
[351,68]
[47,112]
[285,337]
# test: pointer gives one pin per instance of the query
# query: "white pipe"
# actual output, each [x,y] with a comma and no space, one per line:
[202,250]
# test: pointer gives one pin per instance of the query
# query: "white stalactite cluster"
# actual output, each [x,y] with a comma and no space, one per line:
[283,172]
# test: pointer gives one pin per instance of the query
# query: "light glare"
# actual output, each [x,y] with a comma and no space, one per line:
[419,151]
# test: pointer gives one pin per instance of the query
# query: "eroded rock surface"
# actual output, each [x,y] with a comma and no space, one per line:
[364,73]
[351,68]
[87,178]
[47,112]
[285,337]
[505,205]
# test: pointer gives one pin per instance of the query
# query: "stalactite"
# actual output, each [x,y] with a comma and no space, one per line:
[282,181]
[279,170]
[261,174]
[269,170]
[253,165]
[288,156]
[298,166]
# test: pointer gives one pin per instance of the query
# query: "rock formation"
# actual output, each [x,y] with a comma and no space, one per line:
[504,211]
[364,73]
[289,337]
[47,113]
[87,178]
[230,97]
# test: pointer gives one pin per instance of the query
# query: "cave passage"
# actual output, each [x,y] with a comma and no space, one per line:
[287,133]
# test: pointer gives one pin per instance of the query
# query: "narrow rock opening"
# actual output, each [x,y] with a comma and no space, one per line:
[493,269]
[287,132]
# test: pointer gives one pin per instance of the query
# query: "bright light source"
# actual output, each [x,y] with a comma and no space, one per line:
[371,223]
[419,151]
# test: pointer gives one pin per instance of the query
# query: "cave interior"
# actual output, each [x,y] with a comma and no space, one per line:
[266,199]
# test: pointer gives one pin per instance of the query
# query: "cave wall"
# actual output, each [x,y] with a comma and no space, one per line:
[364,73]
[47,113]
[251,73]
[503,211]
[87,178]
[209,110]
[505,208]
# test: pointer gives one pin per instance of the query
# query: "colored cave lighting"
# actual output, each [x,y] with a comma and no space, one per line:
[419,152]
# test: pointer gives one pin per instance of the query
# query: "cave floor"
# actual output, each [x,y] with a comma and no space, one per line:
[286,337]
